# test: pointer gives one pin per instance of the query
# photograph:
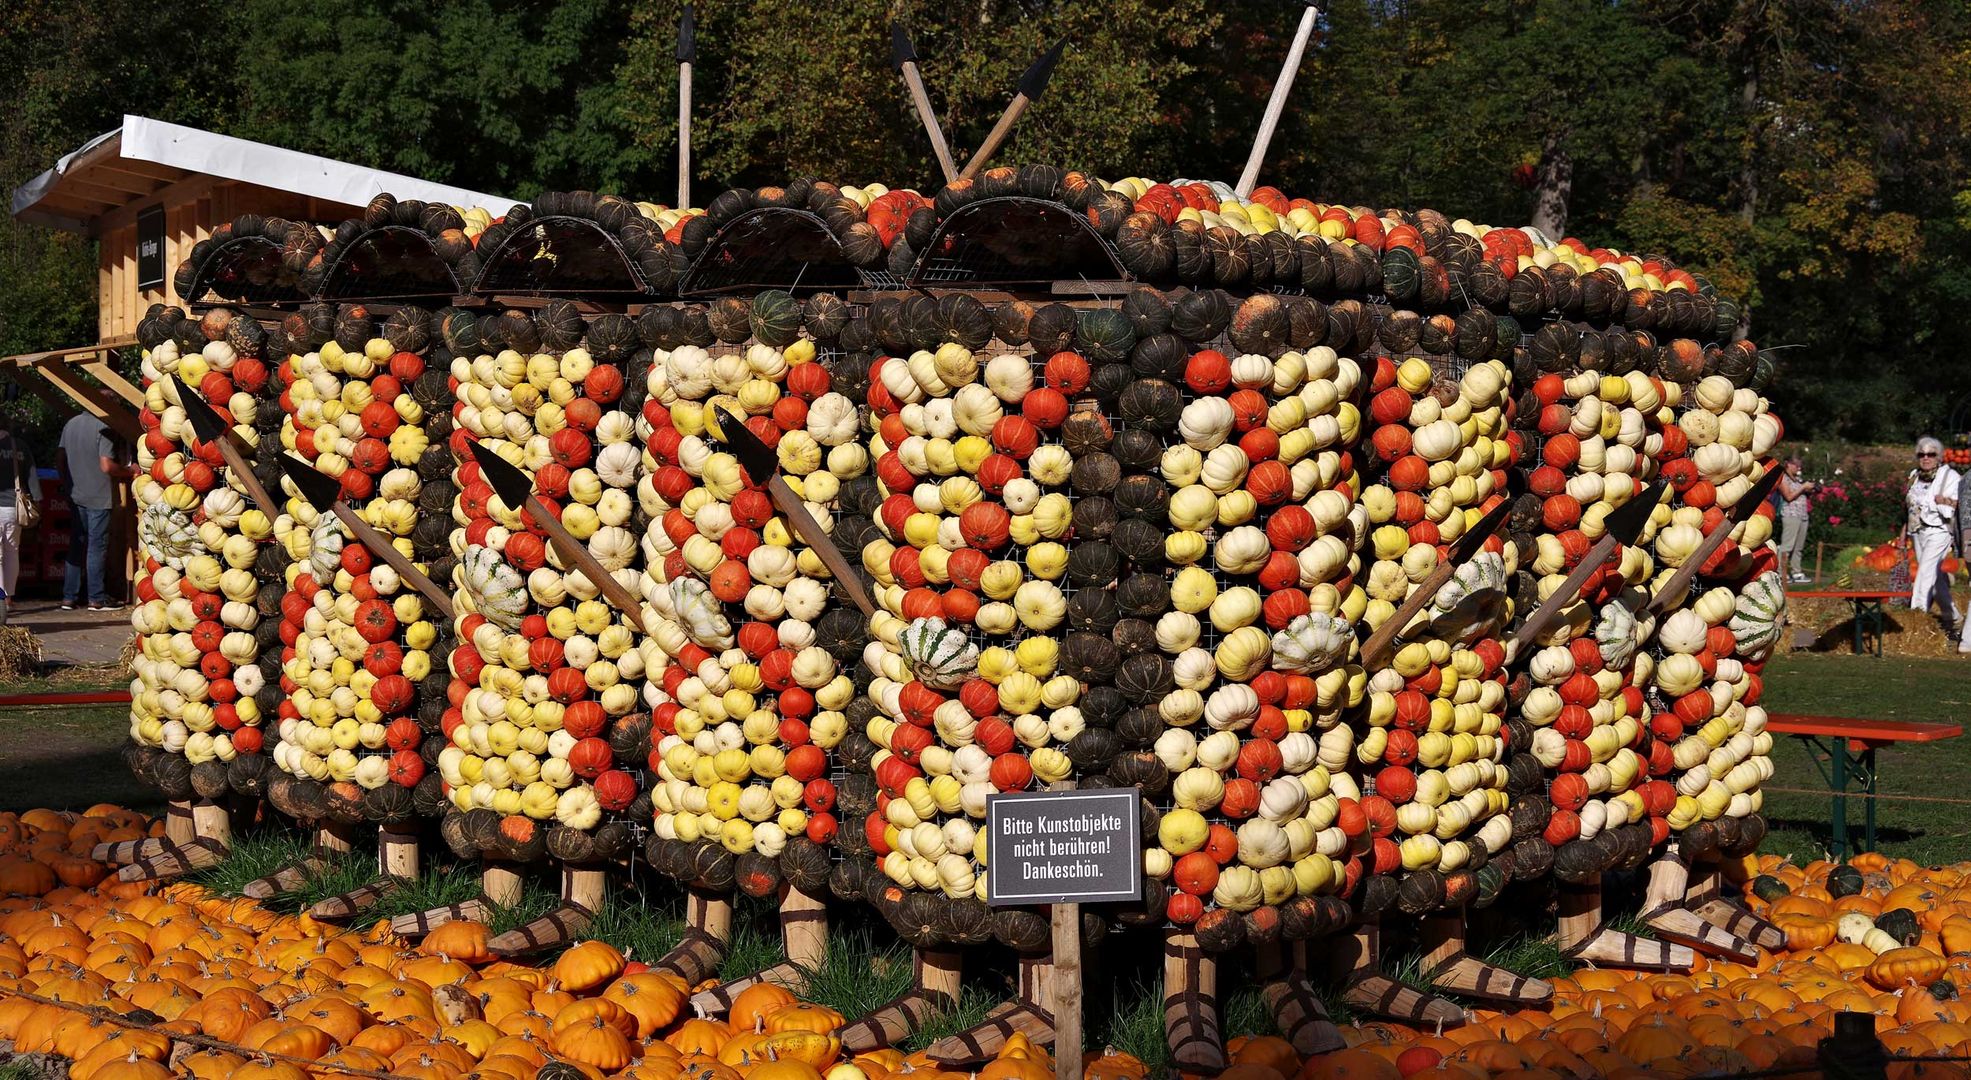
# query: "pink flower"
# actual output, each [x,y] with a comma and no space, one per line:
[1834,519]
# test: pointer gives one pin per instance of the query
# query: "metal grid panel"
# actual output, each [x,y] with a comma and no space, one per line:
[559,254]
[1015,241]
[771,248]
[392,262]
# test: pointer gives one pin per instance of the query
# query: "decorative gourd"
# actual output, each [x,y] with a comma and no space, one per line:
[1313,643]
[941,657]
[1756,618]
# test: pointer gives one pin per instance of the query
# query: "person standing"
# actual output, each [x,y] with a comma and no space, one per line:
[1931,503]
[90,473]
[1792,493]
[18,476]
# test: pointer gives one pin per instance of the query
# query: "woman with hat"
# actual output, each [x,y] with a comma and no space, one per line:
[1932,508]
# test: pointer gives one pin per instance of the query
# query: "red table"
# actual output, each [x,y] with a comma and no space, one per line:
[1850,746]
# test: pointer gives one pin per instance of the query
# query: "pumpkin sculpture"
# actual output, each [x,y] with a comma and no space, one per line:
[205,677]
[747,690]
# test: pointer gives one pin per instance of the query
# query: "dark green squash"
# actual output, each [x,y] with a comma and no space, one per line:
[1145,248]
[1901,924]
[962,320]
[1260,326]
[731,320]
[775,318]
[1400,274]
[1844,880]
[1105,335]
[1052,329]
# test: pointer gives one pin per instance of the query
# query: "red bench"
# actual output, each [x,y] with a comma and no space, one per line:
[1870,618]
[1849,744]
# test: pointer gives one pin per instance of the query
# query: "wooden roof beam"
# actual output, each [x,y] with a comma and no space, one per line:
[98,402]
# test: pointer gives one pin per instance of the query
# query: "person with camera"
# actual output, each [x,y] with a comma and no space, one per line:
[1791,495]
[1931,502]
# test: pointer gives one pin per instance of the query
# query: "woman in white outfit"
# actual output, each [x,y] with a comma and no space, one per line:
[1932,507]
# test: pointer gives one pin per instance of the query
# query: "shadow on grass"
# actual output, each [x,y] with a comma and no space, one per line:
[73,781]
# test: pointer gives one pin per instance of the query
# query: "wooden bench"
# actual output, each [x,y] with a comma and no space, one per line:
[1870,617]
[1849,745]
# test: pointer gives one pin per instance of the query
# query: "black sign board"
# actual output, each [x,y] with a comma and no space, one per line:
[150,249]
[1060,847]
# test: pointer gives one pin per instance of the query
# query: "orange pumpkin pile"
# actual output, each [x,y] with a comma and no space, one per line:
[227,969]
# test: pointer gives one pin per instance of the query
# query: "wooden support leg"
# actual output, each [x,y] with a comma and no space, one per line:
[179,827]
[1300,1016]
[803,930]
[1026,1014]
[1706,899]
[708,930]
[1585,935]
[1365,987]
[1664,912]
[582,892]
[175,861]
[934,990]
[125,852]
[213,821]
[1190,1004]
[499,886]
[329,842]
[397,858]
[1449,967]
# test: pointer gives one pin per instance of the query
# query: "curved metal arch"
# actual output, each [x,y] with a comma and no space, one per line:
[558,255]
[246,269]
[1015,240]
[390,262]
[771,247]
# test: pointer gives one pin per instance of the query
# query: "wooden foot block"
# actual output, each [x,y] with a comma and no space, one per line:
[419,923]
[1611,948]
[981,1043]
[125,852]
[551,931]
[174,862]
[1472,977]
[1684,927]
[356,901]
[1735,920]
[286,879]
[1190,1029]
[1378,994]
[694,959]
[895,1021]
[1300,1016]
[718,1000]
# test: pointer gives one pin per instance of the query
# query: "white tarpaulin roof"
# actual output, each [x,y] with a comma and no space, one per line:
[144,156]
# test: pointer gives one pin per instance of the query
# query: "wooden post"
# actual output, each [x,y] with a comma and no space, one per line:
[804,928]
[1853,1052]
[1820,551]
[1277,104]
[333,839]
[212,821]
[500,882]
[397,853]
[1027,1014]
[904,56]
[1190,1004]
[179,827]
[582,891]
[1066,1006]
[687,53]
[1665,912]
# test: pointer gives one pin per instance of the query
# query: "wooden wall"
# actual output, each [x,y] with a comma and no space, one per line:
[191,208]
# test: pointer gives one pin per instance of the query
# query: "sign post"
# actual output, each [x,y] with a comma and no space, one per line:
[1065,848]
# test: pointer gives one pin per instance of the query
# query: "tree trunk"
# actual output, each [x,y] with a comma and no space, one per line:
[1748,174]
[1553,187]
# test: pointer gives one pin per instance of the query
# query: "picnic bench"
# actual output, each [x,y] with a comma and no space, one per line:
[1849,745]
[1871,618]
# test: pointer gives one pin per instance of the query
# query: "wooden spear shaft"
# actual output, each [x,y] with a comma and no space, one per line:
[1277,104]
[920,98]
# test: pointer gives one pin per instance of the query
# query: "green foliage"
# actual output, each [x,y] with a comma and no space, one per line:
[1807,155]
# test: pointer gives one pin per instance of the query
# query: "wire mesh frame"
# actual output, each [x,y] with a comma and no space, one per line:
[255,265]
[1004,256]
[588,248]
[413,252]
[752,252]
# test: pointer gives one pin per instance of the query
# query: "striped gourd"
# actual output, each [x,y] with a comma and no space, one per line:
[941,657]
